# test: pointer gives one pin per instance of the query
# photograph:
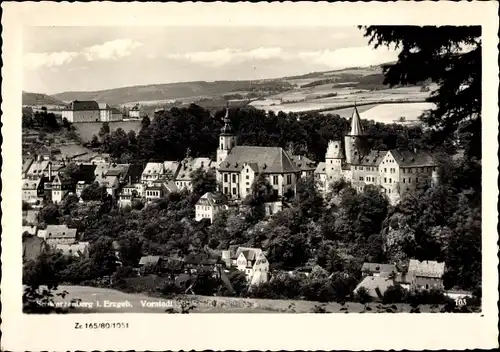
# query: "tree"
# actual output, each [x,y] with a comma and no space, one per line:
[450,57]
[203,182]
[308,201]
[95,141]
[49,214]
[102,256]
[94,192]
[146,121]
[130,249]
[104,129]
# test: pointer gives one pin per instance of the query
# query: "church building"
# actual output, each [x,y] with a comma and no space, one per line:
[238,166]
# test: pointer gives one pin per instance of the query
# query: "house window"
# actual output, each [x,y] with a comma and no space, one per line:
[409,180]
[361,168]
[275,180]
[390,180]
[416,180]
[234,190]
[385,169]
[355,167]
[248,177]
[234,178]
[248,190]
[385,179]
[225,190]
[404,180]
[288,179]
[225,177]
[361,178]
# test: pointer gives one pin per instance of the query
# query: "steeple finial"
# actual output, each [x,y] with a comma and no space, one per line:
[227,123]
[356,129]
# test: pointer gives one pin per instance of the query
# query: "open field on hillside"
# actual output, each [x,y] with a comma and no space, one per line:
[386,113]
[136,303]
[88,129]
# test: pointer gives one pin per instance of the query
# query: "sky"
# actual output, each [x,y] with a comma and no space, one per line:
[58,59]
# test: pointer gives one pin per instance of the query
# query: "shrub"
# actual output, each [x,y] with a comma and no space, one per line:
[395,294]
[362,296]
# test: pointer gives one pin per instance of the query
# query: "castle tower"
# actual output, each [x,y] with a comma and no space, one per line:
[227,139]
[333,161]
[353,139]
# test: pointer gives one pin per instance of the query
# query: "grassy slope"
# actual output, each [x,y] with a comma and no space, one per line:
[161,92]
[205,304]
[87,130]
[40,99]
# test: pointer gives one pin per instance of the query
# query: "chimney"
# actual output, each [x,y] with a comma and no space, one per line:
[50,171]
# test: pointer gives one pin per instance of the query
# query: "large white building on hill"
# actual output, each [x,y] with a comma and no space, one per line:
[90,111]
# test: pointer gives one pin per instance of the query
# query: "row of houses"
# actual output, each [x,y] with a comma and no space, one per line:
[420,275]
[57,237]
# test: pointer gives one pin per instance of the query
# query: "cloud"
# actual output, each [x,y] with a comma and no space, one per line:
[226,56]
[353,56]
[111,50]
[33,61]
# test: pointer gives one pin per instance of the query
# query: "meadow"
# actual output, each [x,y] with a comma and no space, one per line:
[216,304]
[89,129]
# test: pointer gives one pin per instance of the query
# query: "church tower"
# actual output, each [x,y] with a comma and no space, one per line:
[227,139]
[353,140]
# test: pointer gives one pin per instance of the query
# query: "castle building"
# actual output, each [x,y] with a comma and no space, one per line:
[239,166]
[396,171]
[90,111]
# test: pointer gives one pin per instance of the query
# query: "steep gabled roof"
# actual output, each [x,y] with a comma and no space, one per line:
[374,158]
[379,268]
[189,165]
[212,198]
[268,160]
[86,105]
[408,158]
[303,162]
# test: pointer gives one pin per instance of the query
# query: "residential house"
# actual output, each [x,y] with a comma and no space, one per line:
[135,112]
[321,178]
[58,234]
[104,112]
[376,269]
[187,166]
[202,262]
[129,193]
[305,165]
[426,275]
[79,249]
[60,188]
[209,205]
[375,286]
[82,111]
[251,261]
[150,260]
[86,177]
[32,191]
[101,158]
[152,172]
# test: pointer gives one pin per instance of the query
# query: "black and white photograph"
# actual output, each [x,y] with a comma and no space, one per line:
[251,169]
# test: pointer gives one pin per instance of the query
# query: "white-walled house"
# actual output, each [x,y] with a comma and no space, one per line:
[209,205]
[251,261]
[82,111]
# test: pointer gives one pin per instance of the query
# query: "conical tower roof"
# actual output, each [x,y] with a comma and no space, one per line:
[356,129]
